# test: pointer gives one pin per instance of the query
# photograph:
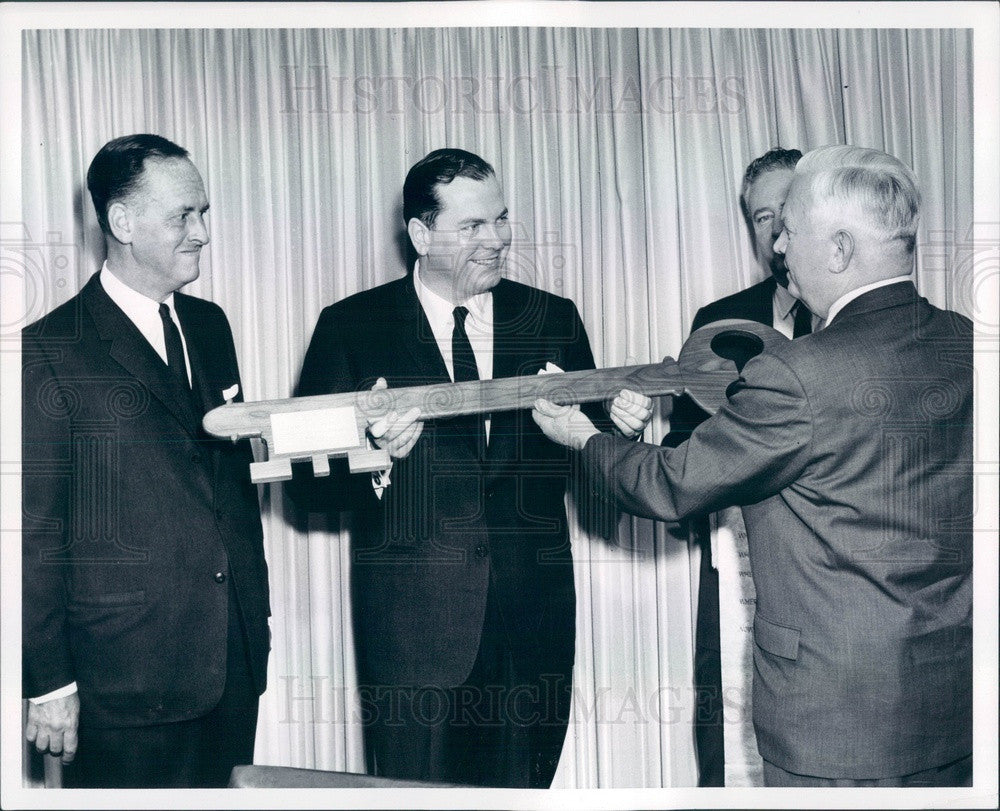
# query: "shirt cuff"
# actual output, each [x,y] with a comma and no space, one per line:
[381,480]
[62,692]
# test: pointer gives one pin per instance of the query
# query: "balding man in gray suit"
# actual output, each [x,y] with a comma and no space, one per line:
[850,452]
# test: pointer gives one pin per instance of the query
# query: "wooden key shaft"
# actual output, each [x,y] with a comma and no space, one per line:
[319,426]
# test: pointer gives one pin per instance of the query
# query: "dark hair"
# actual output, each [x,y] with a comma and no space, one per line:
[441,166]
[776,158]
[115,170]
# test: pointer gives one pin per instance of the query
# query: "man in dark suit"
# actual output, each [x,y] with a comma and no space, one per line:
[462,573]
[762,197]
[850,452]
[145,595]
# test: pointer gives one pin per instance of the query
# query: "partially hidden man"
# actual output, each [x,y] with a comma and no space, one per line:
[850,452]
[145,595]
[462,575]
[762,197]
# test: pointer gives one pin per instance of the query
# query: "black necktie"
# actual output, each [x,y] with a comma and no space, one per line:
[803,321]
[462,357]
[464,363]
[175,349]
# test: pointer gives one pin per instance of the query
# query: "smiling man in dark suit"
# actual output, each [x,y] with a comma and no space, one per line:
[850,453]
[462,574]
[145,595]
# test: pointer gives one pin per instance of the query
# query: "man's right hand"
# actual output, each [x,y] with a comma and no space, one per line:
[394,432]
[52,726]
[567,425]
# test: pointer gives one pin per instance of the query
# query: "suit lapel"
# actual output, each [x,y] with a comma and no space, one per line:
[763,306]
[508,319]
[132,352]
[211,372]
[206,371]
[417,340]
[508,315]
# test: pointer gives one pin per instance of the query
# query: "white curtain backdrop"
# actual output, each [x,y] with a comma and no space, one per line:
[621,153]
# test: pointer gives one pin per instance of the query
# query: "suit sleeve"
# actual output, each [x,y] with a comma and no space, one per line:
[327,369]
[46,661]
[753,447]
[578,357]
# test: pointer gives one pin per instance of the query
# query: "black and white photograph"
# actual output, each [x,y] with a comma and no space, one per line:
[456,404]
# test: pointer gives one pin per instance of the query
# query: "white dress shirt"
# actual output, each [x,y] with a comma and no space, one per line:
[144,313]
[478,325]
[441,316]
[783,312]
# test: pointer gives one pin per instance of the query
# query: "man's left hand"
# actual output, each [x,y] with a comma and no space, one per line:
[566,425]
[631,412]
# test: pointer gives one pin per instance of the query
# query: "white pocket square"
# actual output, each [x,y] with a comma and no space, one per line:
[231,392]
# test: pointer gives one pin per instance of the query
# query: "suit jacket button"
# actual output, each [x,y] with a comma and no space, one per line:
[196,457]
[482,550]
[218,513]
[220,577]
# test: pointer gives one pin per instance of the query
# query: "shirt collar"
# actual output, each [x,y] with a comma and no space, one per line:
[440,309]
[848,297]
[785,300]
[133,303]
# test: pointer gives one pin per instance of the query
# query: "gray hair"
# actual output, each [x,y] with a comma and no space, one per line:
[882,189]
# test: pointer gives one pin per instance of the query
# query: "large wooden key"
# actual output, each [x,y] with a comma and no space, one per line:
[318,427]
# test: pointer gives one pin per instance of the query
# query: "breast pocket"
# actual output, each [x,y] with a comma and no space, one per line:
[780,640]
